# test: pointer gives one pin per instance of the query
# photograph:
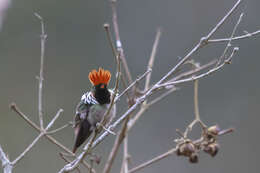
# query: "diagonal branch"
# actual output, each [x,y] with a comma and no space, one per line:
[133,84]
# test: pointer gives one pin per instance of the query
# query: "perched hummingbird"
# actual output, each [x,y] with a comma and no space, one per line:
[93,106]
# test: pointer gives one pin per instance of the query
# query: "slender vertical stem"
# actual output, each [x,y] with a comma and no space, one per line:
[40,78]
[152,58]
[126,155]
[118,40]
[115,148]
[196,102]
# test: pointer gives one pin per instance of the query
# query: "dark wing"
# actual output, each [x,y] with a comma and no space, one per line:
[81,124]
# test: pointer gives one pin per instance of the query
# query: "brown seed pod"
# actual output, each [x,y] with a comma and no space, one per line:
[194,158]
[212,149]
[186,149]
[214,130]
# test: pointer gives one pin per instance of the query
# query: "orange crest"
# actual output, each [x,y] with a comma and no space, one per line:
[100,76]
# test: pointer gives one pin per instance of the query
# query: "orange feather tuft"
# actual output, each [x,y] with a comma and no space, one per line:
[100,76]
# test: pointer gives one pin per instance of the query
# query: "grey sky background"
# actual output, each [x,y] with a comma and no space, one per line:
[77,43]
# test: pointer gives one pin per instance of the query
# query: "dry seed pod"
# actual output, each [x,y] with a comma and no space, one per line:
[186,149]
[193,158]
[214,130]
[212,149]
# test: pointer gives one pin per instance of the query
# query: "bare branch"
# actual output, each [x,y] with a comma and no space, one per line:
[194,71]
[109,37]
[223,20]
[36,139]
[247,35]
[32,124]
[6,164]
[115,148]
[14,107]
[40,78]
[161,97]
[126,157]
[141,99]
[155,159]
[75,163]
[118,41]
[115,91]
[196,100]
[203,41]
[27,149]
[133,84]
[59,129]
[229,42]
[54,119]
[67,160]
[201,75]
[152,58]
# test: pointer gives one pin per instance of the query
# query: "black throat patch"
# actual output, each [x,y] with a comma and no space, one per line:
[102,94]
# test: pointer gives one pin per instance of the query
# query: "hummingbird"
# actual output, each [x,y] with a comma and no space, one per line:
[92,107]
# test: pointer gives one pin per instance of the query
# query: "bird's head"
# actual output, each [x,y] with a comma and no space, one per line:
[100,80]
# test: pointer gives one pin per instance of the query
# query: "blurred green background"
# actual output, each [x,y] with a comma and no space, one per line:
[77,43]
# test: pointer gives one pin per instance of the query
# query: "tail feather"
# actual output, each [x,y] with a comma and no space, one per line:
[82,134]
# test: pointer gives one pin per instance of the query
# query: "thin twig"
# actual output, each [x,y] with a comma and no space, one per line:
[152,58]
[27,149]
[54,119]
[40,78]
[133,84]
[145,107]
[36,139]
[118,40]
[109,37]
[115,53]
[58,129]
[32,124]
[247,35]
[125,161]
[193,78]
[115,148]
[168,92]
[194,71]
[196,100]
[115,91]
[151,161]
[223,20]
[203,41]
[15,108]
[229,42]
